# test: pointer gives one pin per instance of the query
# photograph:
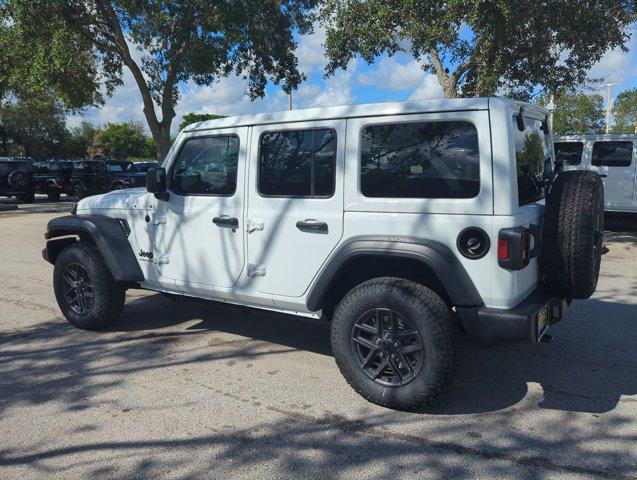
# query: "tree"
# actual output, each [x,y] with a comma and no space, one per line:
[480,48]
[80,140]
[190,118]
[577,113]
[34,126]
[625,112]
[40,56]
[123,141]
[166,43]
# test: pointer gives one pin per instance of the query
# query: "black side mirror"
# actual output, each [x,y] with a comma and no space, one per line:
[156,182]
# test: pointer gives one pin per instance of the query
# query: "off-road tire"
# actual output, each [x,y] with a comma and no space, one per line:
[78,193]
[109,296]
[572,234]
[54,194]
[426,312]
[26,197]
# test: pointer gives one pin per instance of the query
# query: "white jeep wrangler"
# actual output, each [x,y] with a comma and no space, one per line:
[613,157]
[400,223]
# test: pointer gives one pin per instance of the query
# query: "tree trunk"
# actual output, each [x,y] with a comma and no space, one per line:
[162,141]
[449,83]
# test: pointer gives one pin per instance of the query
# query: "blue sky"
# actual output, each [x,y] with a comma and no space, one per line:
[397,78]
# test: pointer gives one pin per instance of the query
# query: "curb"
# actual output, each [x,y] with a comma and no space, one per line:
[8,206]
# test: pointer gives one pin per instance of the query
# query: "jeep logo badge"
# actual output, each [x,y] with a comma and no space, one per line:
[148,255]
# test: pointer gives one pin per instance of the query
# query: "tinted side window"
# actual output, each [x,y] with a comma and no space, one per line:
[420,160]
[612,154]
[206,165]
[299,163]
[532,157]
[569,153]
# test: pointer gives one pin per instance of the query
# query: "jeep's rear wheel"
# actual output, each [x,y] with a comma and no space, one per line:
[78,192]
[26,197]
[394,342]
[84,288]
[572,234]
[53,194]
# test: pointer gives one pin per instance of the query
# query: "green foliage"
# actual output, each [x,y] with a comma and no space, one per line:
[625,112]
[179,41]
[122,141]
[515,46]
[40,55]
[577,113]
[191,118]
[33,126]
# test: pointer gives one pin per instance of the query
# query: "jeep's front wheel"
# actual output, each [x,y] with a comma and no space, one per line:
[394,342]
[87,295]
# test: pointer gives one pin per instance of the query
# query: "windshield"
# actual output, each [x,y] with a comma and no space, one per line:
[532,157]
[121,167]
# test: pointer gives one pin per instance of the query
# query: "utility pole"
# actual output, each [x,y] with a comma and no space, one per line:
[290,100]
[608,104]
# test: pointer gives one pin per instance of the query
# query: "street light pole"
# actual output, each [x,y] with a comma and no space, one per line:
[290,100]
[609,85]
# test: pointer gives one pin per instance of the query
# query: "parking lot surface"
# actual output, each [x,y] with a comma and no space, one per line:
[209,391]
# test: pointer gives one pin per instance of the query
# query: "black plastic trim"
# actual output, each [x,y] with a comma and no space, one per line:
[108,236]
[435,255]
[493,325]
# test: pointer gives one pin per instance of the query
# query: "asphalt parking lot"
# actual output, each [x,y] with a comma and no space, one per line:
[208,391]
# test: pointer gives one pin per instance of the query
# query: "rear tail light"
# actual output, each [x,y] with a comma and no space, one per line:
[503,249]
[517,246]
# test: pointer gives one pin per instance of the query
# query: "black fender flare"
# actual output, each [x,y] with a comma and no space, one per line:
[106,233]
[437,256]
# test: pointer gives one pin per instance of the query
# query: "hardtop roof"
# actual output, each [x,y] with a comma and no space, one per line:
[597,137]
[351,111]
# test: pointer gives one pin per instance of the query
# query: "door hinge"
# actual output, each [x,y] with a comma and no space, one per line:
[254,225]
[256,270]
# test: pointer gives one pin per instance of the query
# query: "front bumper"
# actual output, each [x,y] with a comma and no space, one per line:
[520,323]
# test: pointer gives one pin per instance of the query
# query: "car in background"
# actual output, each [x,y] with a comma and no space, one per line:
[90,177]
[125,175]
[16,178]
[612,157]
[53,178]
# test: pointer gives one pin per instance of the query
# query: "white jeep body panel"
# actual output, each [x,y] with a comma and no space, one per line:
[268,262]
[620,181]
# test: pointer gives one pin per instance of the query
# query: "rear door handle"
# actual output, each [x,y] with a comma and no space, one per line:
[311,225]
[226,222]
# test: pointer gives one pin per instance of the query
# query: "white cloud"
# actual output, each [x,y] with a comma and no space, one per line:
[311,52]
[428,89]
[617,65]
[394,73]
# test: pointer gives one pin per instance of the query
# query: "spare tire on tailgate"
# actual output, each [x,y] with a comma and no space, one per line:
[572,234]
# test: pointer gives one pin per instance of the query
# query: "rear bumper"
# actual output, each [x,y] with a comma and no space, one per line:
[520,323]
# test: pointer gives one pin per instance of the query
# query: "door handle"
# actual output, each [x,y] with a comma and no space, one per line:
[603,175]
[226,222]
[311,225]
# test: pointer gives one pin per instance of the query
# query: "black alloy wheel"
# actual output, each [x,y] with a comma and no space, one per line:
[79,292]
[388,347]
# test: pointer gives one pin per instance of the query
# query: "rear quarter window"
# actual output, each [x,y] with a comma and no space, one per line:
[569,153]
[420,160]
[612,154]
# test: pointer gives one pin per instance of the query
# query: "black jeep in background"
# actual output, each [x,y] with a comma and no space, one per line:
[90,177]
[16,178]
[125,175]
[53,178]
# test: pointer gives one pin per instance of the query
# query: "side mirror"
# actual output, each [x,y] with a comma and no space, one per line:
[156,182]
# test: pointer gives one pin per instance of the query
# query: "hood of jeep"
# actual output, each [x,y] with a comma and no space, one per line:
[126,199]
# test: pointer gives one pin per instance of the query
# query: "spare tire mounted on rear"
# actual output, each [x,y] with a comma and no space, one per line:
[572,234]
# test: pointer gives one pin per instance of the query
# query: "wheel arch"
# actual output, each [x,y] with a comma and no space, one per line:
[106,233]
[362,258]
